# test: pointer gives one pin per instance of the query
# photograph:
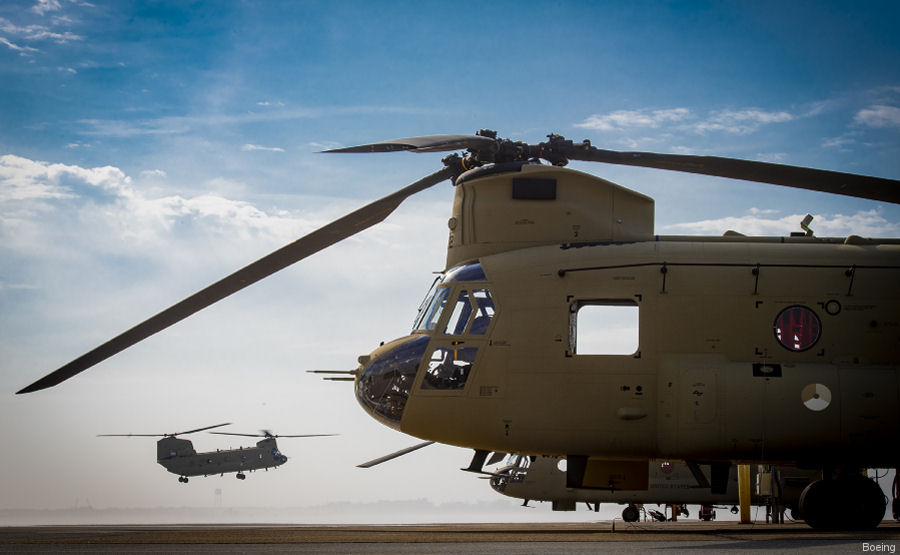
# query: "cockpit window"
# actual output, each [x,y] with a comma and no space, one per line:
[448,368]
[472,312]
[476,307]
[428,318]
[484,311]
[456,325]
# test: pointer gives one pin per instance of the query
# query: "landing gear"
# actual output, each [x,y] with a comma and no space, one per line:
[631,514]
[849,502]
[241,475]
[183,479]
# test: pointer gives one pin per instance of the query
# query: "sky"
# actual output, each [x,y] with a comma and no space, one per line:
[148,149]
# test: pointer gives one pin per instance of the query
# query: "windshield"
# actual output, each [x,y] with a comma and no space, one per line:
[433,305]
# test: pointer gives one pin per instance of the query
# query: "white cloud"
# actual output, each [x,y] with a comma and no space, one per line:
[122,214]
[869,223]
[250,148]
[626,119]
[840,142]
[879,116]
[37,32]
[739,122]
[44,6]
[153,173]
[24,179]
[21,49]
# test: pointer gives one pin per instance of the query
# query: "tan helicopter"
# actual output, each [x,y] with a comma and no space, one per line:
[669,483]
[179,457]
[752,350]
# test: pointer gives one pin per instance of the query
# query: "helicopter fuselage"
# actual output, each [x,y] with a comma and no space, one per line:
[178,457]
[733,348]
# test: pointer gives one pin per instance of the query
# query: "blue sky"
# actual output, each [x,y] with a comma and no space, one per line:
[149,148]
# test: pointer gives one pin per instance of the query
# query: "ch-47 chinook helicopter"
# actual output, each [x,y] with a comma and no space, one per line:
[179,457]
[776,350]
[669,483]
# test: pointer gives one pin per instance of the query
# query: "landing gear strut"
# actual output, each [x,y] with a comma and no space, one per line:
[851,501]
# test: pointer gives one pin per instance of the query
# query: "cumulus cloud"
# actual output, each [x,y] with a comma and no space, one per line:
[105,204]
[24,179]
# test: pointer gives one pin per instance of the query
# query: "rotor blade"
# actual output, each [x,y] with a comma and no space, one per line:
[428,143]
[270,435]
[307,435]
[862,186]
[200,429]
[314,242]
[393,455]
[131,435]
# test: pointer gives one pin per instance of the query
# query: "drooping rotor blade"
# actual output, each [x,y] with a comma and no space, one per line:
[270,435]
[306,435]
[167,435]
[314,242]
[200,429]
[132,435]
[854,185]
[393,455]
[428,143]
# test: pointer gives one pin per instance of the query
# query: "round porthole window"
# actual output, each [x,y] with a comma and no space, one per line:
[797,328]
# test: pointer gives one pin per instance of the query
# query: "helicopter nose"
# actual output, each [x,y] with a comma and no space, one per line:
[384,382]
[500,480]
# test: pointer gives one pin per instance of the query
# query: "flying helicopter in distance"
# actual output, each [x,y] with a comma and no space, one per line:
[179,457]
[738,349]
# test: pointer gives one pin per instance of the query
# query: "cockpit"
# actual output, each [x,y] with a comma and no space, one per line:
[459,305]
[514,472]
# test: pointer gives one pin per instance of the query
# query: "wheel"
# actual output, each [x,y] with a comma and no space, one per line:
[852,502]
[817,502]
[863,502]
[630,514]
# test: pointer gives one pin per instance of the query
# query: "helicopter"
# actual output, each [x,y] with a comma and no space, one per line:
[736,350]
[669,482]
[179,457]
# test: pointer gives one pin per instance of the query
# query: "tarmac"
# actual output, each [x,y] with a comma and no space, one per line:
[521,539]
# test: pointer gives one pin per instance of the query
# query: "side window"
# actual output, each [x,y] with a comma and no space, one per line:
[604,327]
[448,368]
[472,313]
[456,325]
[485,311]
